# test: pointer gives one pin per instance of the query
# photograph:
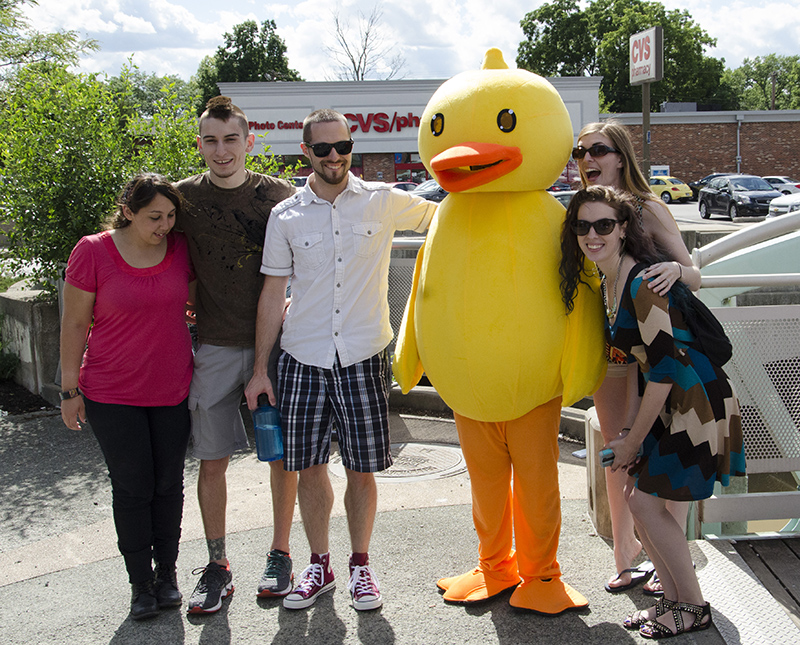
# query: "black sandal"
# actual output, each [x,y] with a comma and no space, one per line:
[654,629]
[635,620]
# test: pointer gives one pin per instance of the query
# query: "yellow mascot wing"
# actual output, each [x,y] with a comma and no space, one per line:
[583,365]
[407,366]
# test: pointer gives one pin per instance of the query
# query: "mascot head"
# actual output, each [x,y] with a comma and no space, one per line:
[495,130]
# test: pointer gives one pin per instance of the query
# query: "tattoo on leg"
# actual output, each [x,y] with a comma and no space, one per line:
[216,549]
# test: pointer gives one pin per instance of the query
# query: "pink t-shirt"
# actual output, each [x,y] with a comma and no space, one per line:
[139,349]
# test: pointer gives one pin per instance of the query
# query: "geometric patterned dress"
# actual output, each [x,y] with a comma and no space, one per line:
[697,438]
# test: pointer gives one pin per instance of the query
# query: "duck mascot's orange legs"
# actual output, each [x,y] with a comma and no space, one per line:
[526,448]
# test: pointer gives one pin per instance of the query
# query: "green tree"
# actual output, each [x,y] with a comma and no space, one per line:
[140,92]
[66,149]
[596,40]
[756,77]
[166,139]
[20,45]
[250,54]
[64,158]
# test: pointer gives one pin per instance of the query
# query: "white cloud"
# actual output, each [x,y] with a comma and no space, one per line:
[133,24]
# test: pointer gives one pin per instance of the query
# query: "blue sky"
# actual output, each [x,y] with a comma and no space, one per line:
[438,38]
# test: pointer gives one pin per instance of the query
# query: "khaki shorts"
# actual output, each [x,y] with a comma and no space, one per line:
[215,397]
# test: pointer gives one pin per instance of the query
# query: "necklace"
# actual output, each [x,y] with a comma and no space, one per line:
[612,310]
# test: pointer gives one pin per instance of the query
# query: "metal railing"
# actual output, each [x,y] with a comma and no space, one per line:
[765,368]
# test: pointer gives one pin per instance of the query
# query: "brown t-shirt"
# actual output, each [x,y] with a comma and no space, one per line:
[226,228]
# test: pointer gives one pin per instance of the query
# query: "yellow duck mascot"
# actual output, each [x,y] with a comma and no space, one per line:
[486,323]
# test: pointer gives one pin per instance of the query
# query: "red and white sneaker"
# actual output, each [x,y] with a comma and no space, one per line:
[316,579]
[363,586]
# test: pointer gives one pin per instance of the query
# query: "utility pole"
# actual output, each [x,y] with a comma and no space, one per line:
[646,66]
[773,90]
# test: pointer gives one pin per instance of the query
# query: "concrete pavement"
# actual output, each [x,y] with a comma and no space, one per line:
[63,581]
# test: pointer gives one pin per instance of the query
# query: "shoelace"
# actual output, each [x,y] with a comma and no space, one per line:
[363,582]
[274,566]
[313,575]
[203,584]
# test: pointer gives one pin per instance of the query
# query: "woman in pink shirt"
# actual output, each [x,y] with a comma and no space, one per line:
[126,362]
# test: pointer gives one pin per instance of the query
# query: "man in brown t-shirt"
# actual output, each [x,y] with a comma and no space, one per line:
[225,221]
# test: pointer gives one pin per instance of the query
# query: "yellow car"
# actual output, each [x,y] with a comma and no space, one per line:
[670,189]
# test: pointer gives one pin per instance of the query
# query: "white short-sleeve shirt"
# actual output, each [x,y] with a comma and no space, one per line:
[337,255]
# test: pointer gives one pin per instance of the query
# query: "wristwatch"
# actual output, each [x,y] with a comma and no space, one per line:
[69,394]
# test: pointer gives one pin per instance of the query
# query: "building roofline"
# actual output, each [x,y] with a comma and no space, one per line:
[682,118]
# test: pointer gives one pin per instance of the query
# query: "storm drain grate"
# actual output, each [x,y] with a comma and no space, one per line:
[415,462]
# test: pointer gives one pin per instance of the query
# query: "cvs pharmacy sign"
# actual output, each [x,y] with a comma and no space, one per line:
[647,56]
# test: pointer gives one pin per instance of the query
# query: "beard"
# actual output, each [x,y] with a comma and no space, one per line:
[331,176]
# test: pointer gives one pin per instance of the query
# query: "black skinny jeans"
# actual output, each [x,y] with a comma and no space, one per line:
[145,449]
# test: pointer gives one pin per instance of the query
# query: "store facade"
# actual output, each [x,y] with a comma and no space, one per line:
[384,117]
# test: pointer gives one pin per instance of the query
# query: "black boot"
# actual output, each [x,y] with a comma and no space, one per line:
[166,586]
[143,600]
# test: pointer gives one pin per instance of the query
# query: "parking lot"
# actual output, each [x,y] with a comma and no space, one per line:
[689,212]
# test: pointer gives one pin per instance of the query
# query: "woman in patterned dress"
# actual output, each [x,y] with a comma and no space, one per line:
[687,421]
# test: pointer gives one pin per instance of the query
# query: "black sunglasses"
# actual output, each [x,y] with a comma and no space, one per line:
[324,149]
[596,150]
[602,226]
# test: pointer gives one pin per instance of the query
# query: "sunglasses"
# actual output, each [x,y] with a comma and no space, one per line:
[324,149]
[596,150]
[602,226]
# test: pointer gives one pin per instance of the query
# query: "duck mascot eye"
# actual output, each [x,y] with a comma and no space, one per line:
[486,323]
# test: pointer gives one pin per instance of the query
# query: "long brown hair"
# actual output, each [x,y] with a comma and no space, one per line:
[638,244]
[632,178]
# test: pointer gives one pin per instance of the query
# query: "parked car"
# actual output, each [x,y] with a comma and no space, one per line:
[696,186]
[430,190]
[564,196]
[404,185]
[670,189]
[559,186]
[736,196]
[298,181]
[786,185]
[783,205]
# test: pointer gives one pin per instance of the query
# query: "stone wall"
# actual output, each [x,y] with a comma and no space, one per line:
[30,329]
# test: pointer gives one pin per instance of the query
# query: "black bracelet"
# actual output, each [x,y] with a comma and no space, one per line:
[69,394]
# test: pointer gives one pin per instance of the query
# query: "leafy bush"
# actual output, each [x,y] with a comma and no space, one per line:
[67,146]
[64,157]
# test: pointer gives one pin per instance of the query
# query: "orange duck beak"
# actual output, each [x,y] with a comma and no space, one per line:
[470,165]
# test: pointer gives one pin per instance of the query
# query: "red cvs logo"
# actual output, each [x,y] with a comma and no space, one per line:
[641,49]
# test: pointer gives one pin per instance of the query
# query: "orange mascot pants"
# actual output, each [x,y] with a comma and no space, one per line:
[513,467]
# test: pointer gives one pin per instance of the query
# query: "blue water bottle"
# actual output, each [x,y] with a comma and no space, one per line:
[269,438]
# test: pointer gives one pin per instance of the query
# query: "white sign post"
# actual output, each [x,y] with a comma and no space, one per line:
[646,66]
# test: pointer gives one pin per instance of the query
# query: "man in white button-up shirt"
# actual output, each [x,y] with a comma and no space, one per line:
[333,238]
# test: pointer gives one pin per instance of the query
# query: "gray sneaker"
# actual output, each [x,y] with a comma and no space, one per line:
[215,584]
[278,576]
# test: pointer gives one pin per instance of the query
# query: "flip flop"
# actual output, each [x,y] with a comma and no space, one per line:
[657,593]
[639,575]
[654,592]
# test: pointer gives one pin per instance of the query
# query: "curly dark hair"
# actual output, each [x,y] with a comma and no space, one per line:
[638,244]
[139,192]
